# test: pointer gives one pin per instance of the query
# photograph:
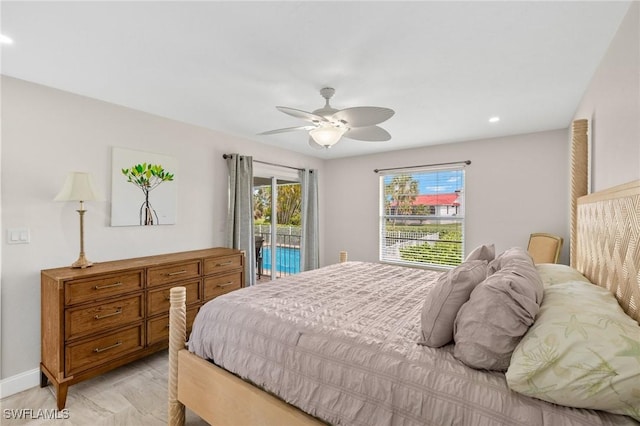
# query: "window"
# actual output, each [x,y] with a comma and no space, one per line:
[422,217]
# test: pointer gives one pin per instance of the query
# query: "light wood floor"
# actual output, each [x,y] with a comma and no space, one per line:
[135,394]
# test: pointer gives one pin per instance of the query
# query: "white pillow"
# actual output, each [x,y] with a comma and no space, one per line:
[582,351]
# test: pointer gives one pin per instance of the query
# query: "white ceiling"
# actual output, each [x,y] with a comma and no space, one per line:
[444,67]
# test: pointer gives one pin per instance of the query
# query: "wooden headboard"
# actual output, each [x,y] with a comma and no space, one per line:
[608,242]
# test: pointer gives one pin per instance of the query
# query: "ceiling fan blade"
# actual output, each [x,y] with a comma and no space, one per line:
[314,144]
[288,129]
[304,115]
[363,116]
[369,134]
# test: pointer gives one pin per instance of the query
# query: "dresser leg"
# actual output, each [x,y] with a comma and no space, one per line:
[61,395]
[44,380]
[60,387]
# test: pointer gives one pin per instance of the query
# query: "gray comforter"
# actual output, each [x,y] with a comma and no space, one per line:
[341,344]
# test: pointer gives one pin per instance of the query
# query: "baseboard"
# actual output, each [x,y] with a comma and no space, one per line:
[20,382]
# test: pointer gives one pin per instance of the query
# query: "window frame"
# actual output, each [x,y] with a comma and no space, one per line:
[460,216]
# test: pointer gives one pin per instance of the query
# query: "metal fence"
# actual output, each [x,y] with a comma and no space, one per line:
[287,251]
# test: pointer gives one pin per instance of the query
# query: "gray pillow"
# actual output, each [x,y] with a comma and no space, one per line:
[484,252]
[444,299]
[499,312]
[507,256]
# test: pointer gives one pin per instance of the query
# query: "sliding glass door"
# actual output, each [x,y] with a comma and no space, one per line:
[277,205]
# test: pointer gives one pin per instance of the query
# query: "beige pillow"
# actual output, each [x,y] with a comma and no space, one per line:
[499,312]
[483,252]
[445,297]
[557,273]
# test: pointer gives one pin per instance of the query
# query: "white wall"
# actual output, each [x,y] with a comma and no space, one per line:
[514,186]
[612,102]
[47,133]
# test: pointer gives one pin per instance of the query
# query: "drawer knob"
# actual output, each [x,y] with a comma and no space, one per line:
[226,284]
[116,312]
[171,274]
[224,263]
[100,287]
[115,345]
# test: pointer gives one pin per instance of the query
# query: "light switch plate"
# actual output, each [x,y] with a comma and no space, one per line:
[18,236]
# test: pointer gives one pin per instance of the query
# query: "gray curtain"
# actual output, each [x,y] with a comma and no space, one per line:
[309,247]
[240,212]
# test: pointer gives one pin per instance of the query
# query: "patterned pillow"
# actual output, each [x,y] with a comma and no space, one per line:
[445,298]
[582,351]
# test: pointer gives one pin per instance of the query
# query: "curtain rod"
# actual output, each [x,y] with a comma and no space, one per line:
[225,156]
[467,162]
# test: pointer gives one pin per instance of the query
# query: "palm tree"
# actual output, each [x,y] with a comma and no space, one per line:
[262,203]
[289,204]
[400,194]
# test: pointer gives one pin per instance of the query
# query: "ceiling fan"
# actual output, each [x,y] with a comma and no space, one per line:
[328,125]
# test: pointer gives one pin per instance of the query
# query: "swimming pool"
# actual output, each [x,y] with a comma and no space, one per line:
[287,259]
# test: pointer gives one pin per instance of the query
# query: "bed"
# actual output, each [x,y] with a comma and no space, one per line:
[342,337]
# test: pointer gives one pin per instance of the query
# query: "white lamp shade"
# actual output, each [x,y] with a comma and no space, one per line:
[78,187]
[327,136]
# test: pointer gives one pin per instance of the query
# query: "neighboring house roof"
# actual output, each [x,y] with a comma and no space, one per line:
[435,200]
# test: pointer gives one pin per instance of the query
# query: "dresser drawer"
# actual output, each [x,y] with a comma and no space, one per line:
[173,273]
[100,317]
[77,291]
[83,356]
[158,300]
[158,328]
[215,265]
[220,284]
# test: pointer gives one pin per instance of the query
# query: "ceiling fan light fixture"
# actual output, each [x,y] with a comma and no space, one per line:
[327,136]
[328,125]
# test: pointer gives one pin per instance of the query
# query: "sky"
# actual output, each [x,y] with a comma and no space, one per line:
[443,181]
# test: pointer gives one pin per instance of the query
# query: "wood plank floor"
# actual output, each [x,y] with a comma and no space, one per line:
[135,394]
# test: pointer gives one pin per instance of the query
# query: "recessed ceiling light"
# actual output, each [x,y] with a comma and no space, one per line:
[494,119]
[5,40]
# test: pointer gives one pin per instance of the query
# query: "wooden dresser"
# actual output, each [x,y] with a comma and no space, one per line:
[105,316]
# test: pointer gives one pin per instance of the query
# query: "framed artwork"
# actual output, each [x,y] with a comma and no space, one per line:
[143,188]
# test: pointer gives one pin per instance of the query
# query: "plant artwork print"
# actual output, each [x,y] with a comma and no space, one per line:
[143,188]
[147,177]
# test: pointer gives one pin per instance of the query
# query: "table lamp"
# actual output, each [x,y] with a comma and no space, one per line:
[79,187]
